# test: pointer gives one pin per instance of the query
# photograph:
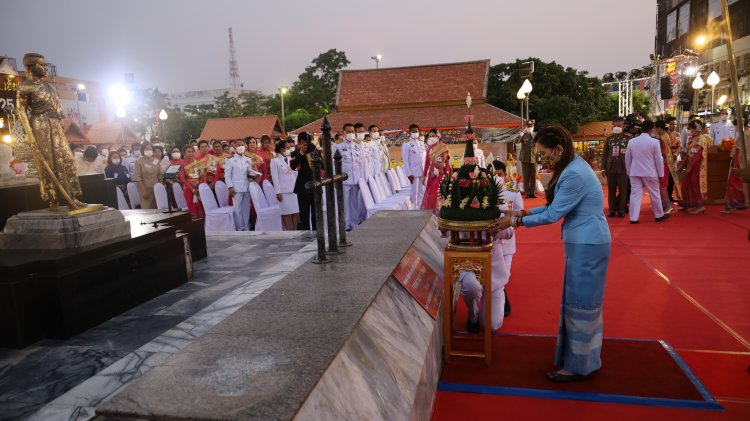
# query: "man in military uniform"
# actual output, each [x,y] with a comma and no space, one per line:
[527,158]
[613,167]
[351,163]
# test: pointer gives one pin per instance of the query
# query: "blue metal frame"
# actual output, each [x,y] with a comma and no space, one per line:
[708,402]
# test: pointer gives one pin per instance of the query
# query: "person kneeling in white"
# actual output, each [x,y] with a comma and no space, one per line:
[284,177]
[645,166]
[472,292]
[413,157]
[235,175]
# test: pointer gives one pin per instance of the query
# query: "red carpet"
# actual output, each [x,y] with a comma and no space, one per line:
[686,281]
[632,368]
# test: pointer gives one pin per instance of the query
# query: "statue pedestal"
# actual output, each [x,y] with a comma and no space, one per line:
[45,229]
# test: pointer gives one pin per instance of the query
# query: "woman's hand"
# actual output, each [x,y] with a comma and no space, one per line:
[144,194]
[500,224]
[511,213]
[279,197]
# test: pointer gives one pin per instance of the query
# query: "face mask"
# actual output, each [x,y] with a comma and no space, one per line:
[616,130]
[288,152]
[724,117]
[176,155]
[148,153]
[79,154]
[116,161]
[105,152]
[349,136]
[414,135]
[432,140]
[529,130]
[375,135]
[240,150]
[361,136]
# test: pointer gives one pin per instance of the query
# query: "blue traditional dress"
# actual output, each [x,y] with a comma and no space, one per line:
[586,239]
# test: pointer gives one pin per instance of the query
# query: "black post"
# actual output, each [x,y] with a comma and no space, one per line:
[330,200]
[170,195]
[315,186]
[340,199]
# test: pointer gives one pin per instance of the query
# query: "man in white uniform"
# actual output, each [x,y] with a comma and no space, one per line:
[413,156]
[645,166]
[351,163]
[512,201]
[381,159]
[360,135]
[235,175]
[722,129]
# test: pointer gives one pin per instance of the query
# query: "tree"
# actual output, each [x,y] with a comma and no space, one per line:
[253,103]
[641,103]
[560,95]
[227,106]
[315,91]
[297,119]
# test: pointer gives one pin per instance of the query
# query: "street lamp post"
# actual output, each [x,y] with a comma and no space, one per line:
[282,91]
[162,117]
[712,80]
[377,59]
[697,85]
[78,89]
[526,90]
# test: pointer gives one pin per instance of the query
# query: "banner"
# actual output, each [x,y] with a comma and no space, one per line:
[453,136]
[8,88]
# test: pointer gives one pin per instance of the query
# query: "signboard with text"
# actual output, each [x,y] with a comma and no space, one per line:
[8,88]
[422,283]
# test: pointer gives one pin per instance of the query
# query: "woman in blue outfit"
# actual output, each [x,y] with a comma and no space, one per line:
[574,193]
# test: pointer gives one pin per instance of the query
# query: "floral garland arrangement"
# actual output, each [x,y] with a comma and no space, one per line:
[727,144]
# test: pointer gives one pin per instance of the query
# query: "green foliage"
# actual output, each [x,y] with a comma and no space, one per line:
[315,91]
[560,95]
[641,103]
[298,118]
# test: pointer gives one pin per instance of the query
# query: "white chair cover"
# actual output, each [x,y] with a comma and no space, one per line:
[179,196]
[402,178]
[160,193]
[381,198]
[222,193]
[269,193]
[377,195]
[134,195]
[122,204]
[217,219]
[393,180]
[268,217]
[385,187]
[372,207]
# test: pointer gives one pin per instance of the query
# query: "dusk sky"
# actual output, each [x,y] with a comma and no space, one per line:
[178,45]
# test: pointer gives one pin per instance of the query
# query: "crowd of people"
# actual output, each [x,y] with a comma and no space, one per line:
[671,165]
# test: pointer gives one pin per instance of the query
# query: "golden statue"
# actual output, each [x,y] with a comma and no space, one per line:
[46,137]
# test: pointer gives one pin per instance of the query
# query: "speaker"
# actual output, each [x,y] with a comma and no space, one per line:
[666,88]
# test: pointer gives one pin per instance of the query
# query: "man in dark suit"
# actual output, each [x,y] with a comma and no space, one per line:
[527,158]
[613,167]
[301,161]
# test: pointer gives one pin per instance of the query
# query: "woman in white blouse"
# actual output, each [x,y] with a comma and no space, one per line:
[283,177]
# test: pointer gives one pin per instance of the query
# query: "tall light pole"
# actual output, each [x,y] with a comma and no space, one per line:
[162,117]
[697,86]
[526,90]
[377,59]
[712,80]
[78,89]
[282,91]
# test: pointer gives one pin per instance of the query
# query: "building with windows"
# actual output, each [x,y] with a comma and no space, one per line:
[696,28]
[202,98]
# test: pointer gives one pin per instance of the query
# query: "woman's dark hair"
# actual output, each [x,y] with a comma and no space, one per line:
[550,137]
[696,125]
[109,158]
[161,148]
[280,145]
[661,124]
[413,126]
[143,146]
[186,147]
[90,152]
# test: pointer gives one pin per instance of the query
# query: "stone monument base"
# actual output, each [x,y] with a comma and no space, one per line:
[47,229]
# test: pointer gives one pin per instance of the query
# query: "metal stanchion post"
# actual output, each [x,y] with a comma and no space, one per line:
[340,200]
[315,186]
[330,199]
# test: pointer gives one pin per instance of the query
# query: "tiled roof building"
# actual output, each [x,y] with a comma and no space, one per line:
[241,127]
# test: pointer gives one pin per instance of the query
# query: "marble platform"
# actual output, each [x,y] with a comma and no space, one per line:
[45,229]
[67,379]
[337,341]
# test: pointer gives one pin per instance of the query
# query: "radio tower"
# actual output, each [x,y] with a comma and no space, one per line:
[234,74]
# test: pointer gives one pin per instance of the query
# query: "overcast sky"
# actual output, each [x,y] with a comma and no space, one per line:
[177,45]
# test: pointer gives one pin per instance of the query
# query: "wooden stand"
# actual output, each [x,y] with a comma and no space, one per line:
[469,249]
[718,170]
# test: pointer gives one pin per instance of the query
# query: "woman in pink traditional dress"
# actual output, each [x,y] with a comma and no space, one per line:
[695,184]
[439,158]
[735,196]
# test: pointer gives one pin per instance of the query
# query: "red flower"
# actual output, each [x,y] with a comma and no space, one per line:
[475,203]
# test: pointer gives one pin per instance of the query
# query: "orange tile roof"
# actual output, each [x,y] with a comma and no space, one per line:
[595,130]
[74,134]
[112,133]
[240,127]
[436,84]
[451,116]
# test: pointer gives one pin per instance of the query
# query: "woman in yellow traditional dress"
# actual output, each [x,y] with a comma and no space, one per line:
[695,184]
